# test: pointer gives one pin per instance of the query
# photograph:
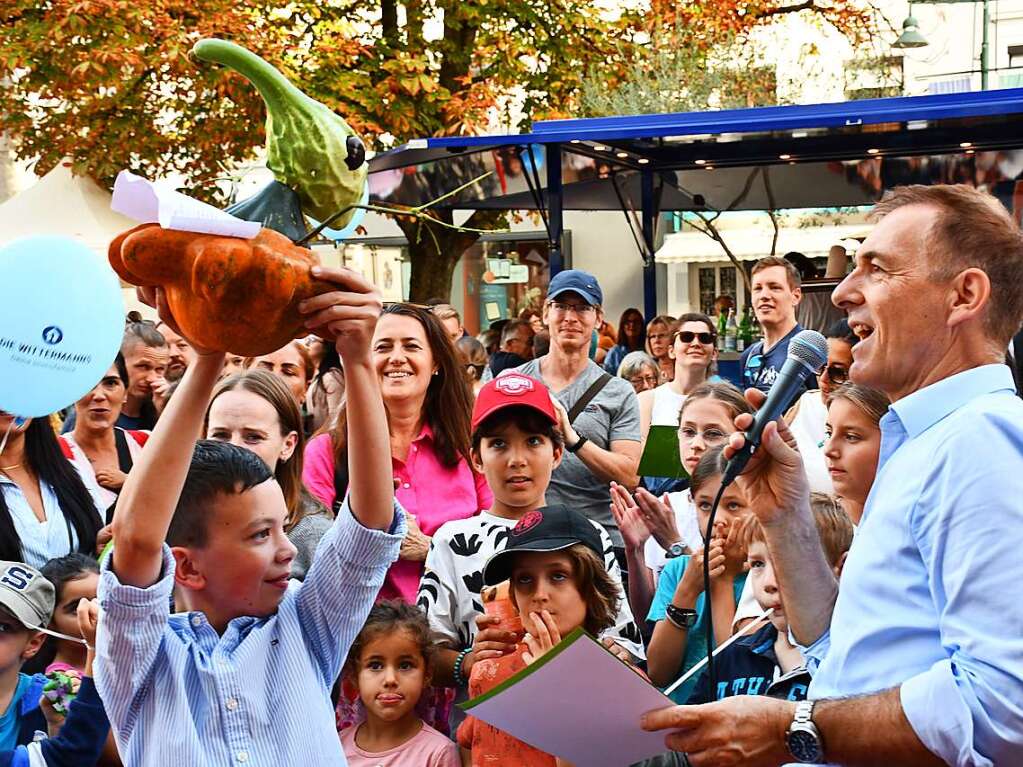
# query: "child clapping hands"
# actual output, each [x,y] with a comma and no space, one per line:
[678,641]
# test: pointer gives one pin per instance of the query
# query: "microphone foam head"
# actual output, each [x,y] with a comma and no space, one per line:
[810,348]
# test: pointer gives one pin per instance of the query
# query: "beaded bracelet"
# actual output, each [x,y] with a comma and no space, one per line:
[460,680]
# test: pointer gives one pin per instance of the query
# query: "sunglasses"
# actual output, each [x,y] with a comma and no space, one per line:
[836,374]
[687,336]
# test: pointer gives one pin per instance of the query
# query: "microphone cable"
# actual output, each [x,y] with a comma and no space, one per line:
[709,625]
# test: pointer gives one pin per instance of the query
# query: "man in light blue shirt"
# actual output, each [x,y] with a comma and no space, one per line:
[919,660]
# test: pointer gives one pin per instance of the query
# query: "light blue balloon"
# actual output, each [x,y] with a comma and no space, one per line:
[337,235]
[61,323]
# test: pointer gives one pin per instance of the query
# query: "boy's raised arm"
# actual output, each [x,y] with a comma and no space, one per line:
[349,317]
[151,491]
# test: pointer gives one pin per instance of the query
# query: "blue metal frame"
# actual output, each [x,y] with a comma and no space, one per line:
[555,216]
[755,120]
[650,135]
[649,265]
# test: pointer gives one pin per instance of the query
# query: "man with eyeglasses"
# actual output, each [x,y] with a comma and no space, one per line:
[777,291]
[602,443]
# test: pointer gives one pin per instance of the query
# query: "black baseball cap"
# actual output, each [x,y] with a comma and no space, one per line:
[549,529]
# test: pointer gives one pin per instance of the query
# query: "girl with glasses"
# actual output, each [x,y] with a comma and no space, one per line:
[807,417]
[659,528]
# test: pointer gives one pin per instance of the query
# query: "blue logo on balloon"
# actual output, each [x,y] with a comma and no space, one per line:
[53,335]
[44,368]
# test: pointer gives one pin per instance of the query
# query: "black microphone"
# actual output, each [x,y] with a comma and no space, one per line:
[808,352]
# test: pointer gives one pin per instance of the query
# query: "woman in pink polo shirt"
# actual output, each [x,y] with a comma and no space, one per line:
[429,404]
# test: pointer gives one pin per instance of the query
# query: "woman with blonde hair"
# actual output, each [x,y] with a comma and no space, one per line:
[256,410]
[658,344]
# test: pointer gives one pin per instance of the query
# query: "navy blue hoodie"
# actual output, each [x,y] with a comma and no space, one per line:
[748,667]
[81,739]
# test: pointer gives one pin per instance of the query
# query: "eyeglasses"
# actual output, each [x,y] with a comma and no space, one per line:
[579,309]
[687,336]
[647,380]
[836,374]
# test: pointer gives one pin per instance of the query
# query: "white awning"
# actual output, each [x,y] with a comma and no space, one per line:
[751,243]
[64,205]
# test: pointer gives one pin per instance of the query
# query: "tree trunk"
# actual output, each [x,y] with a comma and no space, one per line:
[8,175]
[435,250]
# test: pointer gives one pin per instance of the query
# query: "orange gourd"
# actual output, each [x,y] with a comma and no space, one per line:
[229,294]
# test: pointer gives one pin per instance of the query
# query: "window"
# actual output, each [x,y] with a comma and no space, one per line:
[708,289]
[714,281]
[1015,56]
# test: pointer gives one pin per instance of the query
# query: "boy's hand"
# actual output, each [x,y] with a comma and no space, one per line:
[541,638]
[628,517]
[570,435]
[348,316]
[659,518]
[54,721]
[490,642]
[156,297]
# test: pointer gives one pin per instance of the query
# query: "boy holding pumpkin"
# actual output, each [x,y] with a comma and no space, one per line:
[244,675]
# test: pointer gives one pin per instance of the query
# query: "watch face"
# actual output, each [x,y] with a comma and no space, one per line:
[804,746]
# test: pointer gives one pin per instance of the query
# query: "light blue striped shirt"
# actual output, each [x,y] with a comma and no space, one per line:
[179,694]
[929,599]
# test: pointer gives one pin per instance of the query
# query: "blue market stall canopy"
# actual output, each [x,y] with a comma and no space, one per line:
[821,155]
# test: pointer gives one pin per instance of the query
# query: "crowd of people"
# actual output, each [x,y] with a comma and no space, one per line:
[313,556]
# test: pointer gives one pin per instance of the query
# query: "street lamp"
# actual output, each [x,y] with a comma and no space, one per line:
[911,37]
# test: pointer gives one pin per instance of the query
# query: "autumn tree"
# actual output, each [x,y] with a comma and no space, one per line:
[109,83]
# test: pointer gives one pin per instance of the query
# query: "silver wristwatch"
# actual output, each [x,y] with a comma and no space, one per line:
[675,550]
[803,738]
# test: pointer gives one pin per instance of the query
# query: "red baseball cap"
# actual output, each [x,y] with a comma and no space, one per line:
[512,390]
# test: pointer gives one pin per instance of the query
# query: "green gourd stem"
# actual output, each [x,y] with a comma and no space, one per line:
[274,87]
[306,142]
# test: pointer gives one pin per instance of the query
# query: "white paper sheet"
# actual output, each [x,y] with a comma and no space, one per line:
[152,203]
[582,705]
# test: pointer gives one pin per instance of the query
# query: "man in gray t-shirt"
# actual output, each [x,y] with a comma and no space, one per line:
[603,443]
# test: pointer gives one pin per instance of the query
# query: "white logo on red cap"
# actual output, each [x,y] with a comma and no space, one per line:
[513,385]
